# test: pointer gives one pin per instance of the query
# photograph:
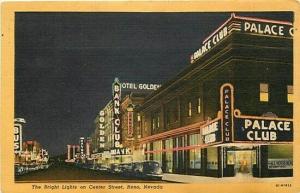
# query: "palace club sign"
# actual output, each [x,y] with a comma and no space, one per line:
[244,128]
[116,87]
[263,129]
[227,111]
[256,26]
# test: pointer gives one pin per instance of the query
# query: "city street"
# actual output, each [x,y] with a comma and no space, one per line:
[63,172]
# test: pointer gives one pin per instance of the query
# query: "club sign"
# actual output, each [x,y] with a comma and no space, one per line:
[211,133]
[227,111]
[263,129]
[116,87]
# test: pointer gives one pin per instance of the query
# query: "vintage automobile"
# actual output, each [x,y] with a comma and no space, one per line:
[147,170]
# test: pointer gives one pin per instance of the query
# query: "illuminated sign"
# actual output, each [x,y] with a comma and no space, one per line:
[268,29]
[227,111]
[211,133]
[81,146]
[244,25]
[208,44]
[280,164]
[130,123]
[101,129]
[17,138]
[260,129]
[18,134]
[135,86]
[117,112]
[121,151]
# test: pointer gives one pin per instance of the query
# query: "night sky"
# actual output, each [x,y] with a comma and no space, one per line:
[65,63]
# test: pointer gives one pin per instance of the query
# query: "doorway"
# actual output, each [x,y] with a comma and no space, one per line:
[243,162]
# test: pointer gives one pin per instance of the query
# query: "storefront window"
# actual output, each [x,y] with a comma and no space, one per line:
[148,149]
[230,157]
[212,158]
[253,157]
[194,139]
[169,156]
[195,158]
[157,146]
[280,157]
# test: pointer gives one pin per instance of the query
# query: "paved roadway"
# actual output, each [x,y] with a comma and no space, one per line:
[62,172]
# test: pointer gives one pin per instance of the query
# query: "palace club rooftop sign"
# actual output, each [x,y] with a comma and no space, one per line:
[244,25]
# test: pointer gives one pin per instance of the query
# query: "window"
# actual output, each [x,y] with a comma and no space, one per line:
[190,109]
[199,105]
[264,92]
[158,121]
[139,118]
[157,156]
[169,155]
[153,124]
[290,93]
[195,158]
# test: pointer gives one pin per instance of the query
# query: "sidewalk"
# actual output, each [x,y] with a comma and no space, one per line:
[238,178]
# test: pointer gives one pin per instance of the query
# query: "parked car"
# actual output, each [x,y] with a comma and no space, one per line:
[19,170]
[115,169]
[137,169]
[147,170]
[126,169]
[152,170]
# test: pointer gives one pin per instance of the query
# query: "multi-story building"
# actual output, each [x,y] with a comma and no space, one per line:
[230,111]
[130,122]
[101,138]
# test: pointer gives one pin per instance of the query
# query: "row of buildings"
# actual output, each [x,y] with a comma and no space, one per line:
[228,113]
[28,152]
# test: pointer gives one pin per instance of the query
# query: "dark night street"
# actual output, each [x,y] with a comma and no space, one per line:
[62,172]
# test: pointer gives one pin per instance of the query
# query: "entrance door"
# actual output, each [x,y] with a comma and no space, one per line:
[243,162]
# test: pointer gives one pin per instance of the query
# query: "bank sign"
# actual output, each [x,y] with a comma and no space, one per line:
[116,87]
[244,25]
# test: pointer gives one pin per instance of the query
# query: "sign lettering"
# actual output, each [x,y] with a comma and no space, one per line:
[116,112]
[101,129]
[211,133]
[251,129]
[227,111]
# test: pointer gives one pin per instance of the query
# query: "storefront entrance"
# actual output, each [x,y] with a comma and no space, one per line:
[243,162]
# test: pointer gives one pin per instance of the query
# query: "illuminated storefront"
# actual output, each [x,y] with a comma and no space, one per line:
[229,113]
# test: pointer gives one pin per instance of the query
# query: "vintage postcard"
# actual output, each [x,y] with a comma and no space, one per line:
[150,96]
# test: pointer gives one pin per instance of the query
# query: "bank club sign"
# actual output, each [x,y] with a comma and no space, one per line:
[242,128]
[116,88]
